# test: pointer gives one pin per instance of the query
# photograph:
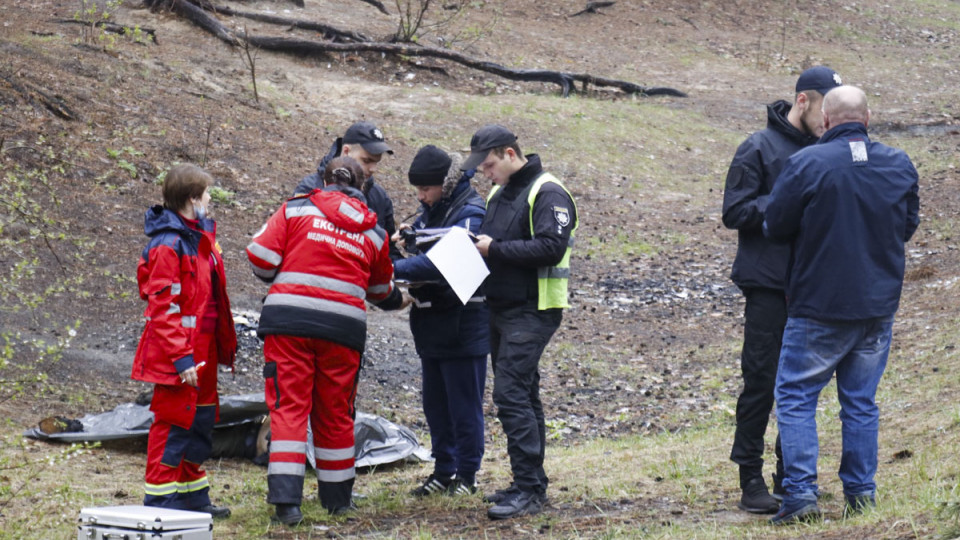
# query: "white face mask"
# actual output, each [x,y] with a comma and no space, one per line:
[200,211]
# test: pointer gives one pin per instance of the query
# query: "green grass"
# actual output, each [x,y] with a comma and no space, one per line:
[220,195]
[592,141]
[670,485]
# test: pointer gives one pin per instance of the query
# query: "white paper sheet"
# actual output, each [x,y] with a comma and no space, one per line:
[460,263]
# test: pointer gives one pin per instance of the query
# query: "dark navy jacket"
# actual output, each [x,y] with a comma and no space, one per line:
[446,329]
[750,179]
[848,205]
[376,197]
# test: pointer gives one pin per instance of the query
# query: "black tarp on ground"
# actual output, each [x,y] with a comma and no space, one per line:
[378,441]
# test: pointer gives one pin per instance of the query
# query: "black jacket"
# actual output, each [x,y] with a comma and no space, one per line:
[760,262]
[515,255]
[376,197]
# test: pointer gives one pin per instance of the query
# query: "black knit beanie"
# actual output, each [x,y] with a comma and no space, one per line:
[430,166]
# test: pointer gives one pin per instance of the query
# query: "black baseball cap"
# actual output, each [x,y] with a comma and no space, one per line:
[819,78]
[485,139]
[368,136]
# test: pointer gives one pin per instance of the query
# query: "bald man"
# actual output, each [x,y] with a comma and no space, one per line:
[760,271]
[848,205]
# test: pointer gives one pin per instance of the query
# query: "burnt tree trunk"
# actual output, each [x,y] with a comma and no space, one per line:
[377,4]
[305,46]
[36,96]
[329,32]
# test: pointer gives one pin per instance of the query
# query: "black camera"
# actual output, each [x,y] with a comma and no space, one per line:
[409,237]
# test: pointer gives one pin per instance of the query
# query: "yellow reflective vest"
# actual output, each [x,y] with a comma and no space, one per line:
[551,280]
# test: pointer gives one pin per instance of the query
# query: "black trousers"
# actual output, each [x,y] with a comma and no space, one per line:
[766,317]
[518,337]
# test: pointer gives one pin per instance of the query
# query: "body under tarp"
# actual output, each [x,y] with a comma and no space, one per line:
[378,441]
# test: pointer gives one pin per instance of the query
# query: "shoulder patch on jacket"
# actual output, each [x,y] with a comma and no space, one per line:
[858,151]
[562,215]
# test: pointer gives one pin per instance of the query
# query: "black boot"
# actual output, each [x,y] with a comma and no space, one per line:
[778,491]
[336,497]
[756,499]
[216,512]
[289,514]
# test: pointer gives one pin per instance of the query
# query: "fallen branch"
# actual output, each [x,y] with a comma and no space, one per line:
[563,79]
[113,27]
[37,97]
[377,4]
[329,32]
[593,7]
[298,3]
[306,47]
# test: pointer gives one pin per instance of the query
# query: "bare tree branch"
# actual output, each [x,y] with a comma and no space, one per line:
[303,46]
[114,28]
[377,4]
[593,7]
[38,97]
[329,32]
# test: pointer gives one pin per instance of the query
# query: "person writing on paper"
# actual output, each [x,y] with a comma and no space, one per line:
[527,239]
[452,339]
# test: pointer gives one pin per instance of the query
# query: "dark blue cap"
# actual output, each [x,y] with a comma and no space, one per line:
[819,78]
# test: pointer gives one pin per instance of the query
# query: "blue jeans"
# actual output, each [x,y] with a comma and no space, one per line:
[812,352]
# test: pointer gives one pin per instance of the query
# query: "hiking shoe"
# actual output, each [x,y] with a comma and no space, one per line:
[498,496]
[756,499]
[515,504]
[343,510]
[858,504]
[778,491]
[288,514]
[796,511]
[217,512]
[432,485]
[459,487]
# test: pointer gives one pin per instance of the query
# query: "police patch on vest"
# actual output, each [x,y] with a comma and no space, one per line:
[562,215]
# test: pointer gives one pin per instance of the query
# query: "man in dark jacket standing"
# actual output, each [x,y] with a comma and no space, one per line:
[452,339]
[760,270]
[527,240]
[849,205]
[363,142]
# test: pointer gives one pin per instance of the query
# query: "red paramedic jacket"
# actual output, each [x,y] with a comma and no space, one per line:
[324,255]
[174,277]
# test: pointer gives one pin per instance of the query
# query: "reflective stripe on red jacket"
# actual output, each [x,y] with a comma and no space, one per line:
[174,277]
[324,255]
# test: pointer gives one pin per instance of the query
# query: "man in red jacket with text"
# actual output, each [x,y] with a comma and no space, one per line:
[325,256]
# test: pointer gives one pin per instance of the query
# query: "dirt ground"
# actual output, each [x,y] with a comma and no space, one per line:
[664,319]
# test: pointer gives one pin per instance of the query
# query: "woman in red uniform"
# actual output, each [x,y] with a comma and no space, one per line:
[189,332]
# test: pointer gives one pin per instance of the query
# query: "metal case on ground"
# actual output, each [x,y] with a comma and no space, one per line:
[143,523]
